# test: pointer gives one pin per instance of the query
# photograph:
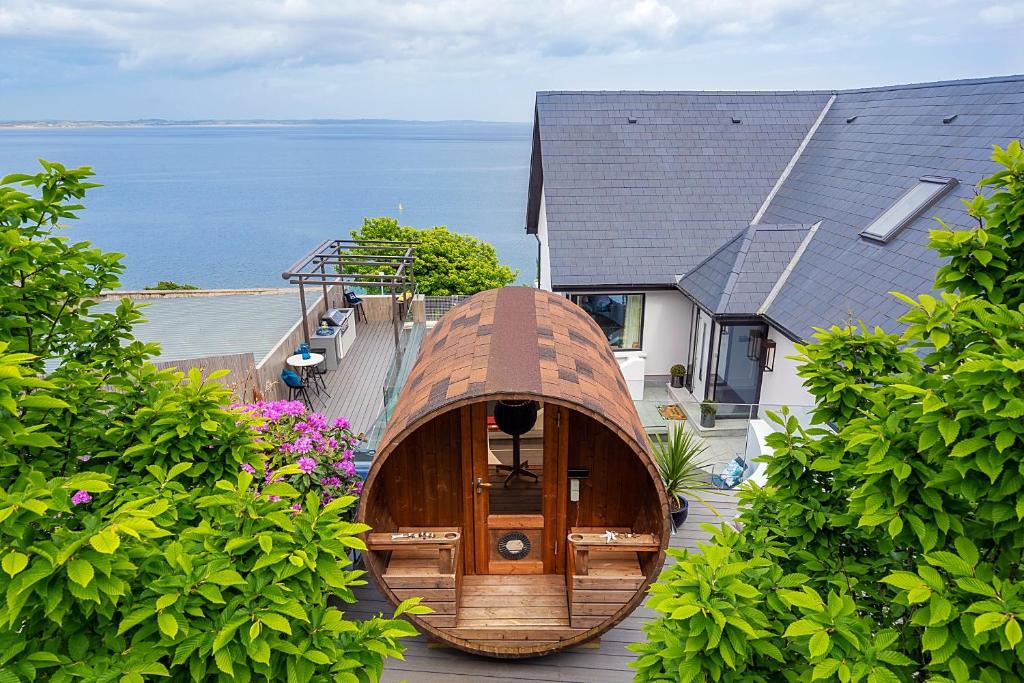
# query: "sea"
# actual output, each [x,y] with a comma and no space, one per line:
[236,205]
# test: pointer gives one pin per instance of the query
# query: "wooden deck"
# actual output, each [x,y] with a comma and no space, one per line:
[608,661]
[356,388]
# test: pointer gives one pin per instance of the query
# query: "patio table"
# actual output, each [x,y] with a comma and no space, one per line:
[306,368]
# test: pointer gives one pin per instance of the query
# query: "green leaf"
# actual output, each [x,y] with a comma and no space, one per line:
[276,622]
[81,572]
[1012,632]
[105,541]
[165,601]
[226,577]
[168,624]
[14,562]
[802,627]
[685,612]
[968,446]
[949,429]
[989,621]
[819,644]
[825,669]
[42,401]
[211,593]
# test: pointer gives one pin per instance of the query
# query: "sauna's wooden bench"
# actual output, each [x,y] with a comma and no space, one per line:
[583,543]
[445,542]
[427,568]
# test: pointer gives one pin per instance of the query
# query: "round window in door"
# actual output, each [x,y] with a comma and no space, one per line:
[514,545]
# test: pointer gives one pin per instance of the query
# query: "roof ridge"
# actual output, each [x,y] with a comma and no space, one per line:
[737,267]
[814,91]
[713,254]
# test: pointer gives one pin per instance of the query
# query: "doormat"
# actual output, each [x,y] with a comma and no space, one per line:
[671,411]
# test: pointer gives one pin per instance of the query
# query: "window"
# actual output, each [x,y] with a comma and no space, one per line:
[908,208]
[621,316]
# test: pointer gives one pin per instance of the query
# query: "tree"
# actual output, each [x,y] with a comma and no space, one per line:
[135,541]
[891,548]
[446,262]
[169,285]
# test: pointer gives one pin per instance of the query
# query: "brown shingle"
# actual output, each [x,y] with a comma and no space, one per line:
[517,340]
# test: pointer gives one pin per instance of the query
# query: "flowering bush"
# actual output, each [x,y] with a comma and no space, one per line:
[321,449]
[133,546]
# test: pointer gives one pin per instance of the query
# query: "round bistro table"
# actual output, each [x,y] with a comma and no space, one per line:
[305,366]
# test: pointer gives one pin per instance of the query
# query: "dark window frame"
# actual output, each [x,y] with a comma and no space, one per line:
[575,296]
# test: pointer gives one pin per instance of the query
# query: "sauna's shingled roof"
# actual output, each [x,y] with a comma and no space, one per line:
[517,341]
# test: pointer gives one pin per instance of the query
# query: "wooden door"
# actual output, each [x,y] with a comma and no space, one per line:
[516,522]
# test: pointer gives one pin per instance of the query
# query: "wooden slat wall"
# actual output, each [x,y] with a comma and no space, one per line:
[243,379]
[422,480]
[619,489]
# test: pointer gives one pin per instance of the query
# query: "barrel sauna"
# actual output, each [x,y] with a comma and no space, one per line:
[514,489]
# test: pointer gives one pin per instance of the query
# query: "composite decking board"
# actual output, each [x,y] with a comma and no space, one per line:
[608,663]
[357,386]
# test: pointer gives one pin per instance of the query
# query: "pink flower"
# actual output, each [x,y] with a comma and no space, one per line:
[248,468]
[330,481]
[307,465]
[346,467]
[359,487]
[341,423]
[81,497]
[297,507]
[303,444]
[273,499]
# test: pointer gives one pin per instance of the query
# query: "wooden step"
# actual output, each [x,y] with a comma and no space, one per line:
[606,582]
[515,633]
[414,582]
[513,579]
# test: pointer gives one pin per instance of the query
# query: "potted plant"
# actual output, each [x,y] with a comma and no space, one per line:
[708,410]
[679,462]
[678,373]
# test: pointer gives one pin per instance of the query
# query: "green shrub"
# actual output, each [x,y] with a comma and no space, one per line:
[447,263]
[132,544]
[889,549]
[169,285]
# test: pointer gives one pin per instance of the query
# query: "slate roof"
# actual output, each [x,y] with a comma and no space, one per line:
[736,279]
[851,172]
[642,204]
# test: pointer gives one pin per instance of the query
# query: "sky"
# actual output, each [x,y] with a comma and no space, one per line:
[467,59]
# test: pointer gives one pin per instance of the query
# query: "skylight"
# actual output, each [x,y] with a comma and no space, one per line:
[908,208]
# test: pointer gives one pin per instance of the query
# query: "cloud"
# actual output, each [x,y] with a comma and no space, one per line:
[204,36]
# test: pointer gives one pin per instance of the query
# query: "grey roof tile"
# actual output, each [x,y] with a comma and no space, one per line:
[643,203]
[679,182]
[737,278]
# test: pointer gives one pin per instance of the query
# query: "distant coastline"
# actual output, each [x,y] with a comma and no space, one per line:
[233,123]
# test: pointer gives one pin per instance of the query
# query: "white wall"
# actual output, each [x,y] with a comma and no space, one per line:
[667,315]
[783,386]
[542,238]
[700,379]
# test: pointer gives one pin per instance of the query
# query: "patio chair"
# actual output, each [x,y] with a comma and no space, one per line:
[732,474]
[296,387]
[356,303]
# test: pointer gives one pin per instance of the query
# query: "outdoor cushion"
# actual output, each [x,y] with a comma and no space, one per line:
[732,474]
[290,378]
[352,299]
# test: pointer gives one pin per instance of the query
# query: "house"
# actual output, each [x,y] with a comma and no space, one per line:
[715,229]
